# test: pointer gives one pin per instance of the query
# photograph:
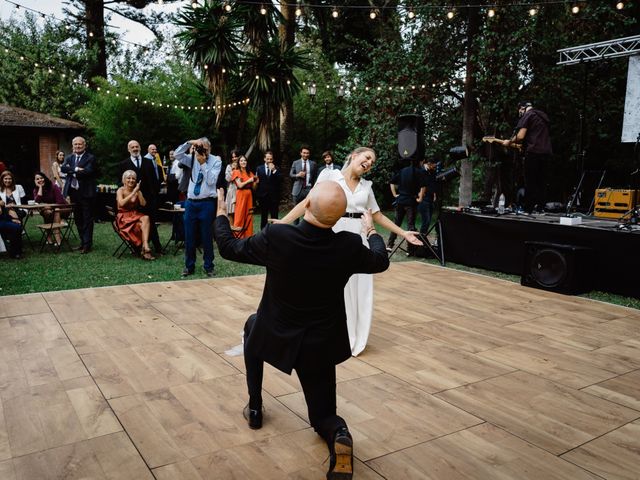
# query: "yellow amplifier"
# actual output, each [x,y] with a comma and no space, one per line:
[610,203]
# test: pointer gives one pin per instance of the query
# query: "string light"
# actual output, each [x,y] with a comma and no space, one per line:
[450,14]
[619,5]
[194,5]
[373,14]
[335,13]
[491,13]
[227,7]
[533,12]
[411,14]
[263,10]
[575,9]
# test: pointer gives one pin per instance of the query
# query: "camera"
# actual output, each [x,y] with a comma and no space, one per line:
[200,149]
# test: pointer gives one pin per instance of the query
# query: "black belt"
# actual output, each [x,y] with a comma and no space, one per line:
[206,199]
[353,215]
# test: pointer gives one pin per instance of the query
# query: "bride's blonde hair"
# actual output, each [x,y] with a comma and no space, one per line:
[356,152]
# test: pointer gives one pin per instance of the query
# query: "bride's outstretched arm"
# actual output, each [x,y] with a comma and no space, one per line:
[296,212]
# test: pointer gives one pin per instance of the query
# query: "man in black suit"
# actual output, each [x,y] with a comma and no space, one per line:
[294,327]
[149,186]
[268,191]
[80,186]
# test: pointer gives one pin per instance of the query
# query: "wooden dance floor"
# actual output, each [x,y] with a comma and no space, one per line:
[465,377]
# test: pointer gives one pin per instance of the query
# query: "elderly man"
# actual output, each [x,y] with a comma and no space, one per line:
[294,326]
[80,167]
[200,208]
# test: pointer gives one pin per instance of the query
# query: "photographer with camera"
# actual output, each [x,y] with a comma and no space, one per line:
[200,207]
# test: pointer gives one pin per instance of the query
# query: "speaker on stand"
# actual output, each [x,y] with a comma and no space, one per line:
[557,268]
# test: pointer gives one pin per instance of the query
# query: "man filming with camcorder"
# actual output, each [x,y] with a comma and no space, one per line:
[194,156]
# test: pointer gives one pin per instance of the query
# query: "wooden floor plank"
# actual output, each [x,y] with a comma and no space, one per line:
[546,414]
[465,377]
[483,451]
[615,455]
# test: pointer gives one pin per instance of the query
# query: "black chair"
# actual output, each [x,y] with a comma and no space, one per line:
[125,244]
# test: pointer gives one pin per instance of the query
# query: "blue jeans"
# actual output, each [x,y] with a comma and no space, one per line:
[199,216]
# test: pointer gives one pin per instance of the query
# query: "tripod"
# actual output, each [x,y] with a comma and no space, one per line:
[436,250]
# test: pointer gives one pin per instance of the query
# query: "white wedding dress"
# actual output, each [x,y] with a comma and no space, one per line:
[358,293]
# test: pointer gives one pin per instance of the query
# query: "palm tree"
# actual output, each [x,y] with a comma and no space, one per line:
[243,42]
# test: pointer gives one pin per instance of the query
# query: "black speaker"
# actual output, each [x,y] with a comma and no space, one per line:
[411,137]
[557,268]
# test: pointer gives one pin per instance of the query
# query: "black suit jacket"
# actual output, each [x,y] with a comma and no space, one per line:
[295,325]
[149,186]
[86,178]
[268,186]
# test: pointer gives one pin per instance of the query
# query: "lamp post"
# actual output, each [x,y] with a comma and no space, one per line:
[312,91]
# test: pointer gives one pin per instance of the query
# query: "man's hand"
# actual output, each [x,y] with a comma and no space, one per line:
[222,205]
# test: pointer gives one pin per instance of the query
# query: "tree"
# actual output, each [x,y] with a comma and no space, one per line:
[91,14]
[40,70]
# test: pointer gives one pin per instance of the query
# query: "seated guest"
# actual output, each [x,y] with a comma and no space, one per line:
[133,225]
[10,193]
[11,230]
[48,192]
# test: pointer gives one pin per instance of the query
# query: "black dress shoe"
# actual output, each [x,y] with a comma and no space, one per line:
[186,272]
[341,456]
[209,273]
[253,417]
[85,250]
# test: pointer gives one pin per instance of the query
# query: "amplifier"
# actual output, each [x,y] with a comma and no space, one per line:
[610,203]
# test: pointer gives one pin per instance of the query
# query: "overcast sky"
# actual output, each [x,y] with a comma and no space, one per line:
[130,31]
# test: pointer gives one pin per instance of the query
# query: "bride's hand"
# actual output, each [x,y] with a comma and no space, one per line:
[412,238]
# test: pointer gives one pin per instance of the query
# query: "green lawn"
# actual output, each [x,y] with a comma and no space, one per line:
[47,271]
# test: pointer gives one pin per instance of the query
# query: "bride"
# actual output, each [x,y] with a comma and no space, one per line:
[358,293]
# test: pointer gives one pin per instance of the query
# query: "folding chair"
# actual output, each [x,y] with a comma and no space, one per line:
[125,244]
[49,229]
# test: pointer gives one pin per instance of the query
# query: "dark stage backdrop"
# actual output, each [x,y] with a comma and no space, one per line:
[498,243]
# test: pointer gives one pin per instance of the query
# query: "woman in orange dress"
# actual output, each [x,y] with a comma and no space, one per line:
[244,180]
[133,225]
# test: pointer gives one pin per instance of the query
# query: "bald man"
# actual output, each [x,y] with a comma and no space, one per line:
[295,327]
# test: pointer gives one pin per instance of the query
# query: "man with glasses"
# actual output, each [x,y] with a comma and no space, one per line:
[200,207]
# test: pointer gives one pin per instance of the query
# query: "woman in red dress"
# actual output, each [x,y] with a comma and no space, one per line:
[133,225]
[244,180]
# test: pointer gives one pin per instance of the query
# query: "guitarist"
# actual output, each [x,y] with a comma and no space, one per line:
[532,131]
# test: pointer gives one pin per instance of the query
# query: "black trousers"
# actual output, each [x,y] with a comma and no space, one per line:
[268,208]
[401,210]
[318,384]
[83,216]
[535,166]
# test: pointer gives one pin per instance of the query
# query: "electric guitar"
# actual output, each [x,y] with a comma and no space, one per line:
[491,139]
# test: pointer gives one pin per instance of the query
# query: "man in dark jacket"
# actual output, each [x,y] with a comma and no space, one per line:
[294,327]
[80,186]
[268,191]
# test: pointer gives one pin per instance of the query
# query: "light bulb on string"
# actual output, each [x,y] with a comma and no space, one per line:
[298,11]
[263,10]
[411,14]
[335,13]
[619,5]
[227,7]
[373,14]
[575,9]
[491,13]
[533,12]
[450,14]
